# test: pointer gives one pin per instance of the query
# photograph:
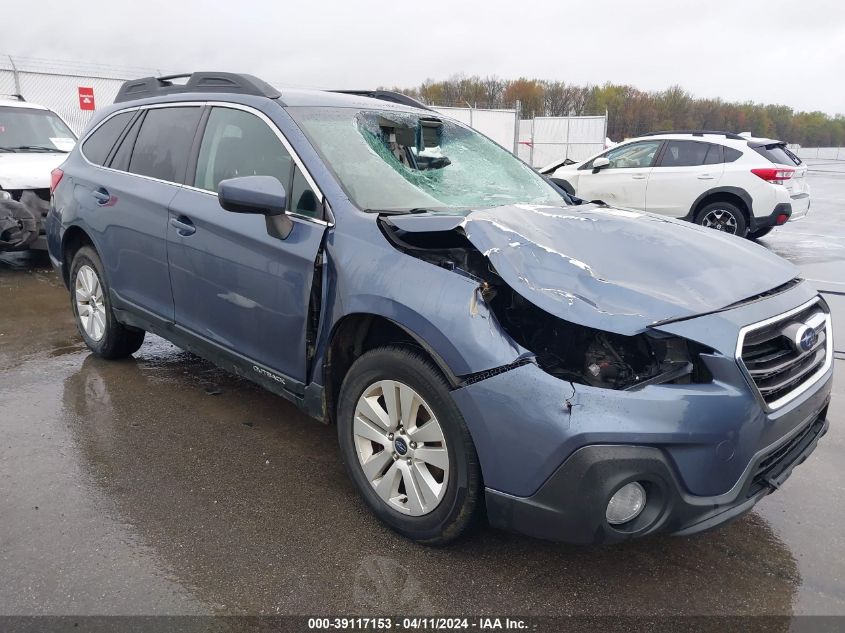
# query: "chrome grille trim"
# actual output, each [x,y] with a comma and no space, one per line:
[821,320]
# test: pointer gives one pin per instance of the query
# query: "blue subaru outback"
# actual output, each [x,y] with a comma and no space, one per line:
[483,343]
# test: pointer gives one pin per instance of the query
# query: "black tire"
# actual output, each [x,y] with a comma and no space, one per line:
[118,340]
[461,503]
[734,216]
[756,235]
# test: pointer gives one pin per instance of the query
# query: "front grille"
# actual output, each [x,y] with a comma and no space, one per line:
[773,465]
[776,361]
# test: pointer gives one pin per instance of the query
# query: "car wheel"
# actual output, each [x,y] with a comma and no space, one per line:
[406,446]
[722,216]
[91,304]
[755,235]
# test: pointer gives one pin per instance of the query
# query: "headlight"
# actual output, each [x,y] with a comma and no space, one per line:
[5,195]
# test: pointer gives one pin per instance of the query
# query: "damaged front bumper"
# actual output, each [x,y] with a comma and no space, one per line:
[553,452]
[22,215]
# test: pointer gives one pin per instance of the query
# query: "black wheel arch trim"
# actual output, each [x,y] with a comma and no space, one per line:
[742,194]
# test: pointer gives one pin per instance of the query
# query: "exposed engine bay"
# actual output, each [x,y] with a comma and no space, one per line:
[22,214]
[565,350]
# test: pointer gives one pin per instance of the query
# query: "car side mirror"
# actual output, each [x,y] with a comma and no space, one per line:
[600,163]
[261,195]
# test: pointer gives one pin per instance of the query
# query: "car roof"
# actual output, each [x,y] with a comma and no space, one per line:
[17,103]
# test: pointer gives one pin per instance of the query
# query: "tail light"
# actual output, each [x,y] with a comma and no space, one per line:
[55,178]
[776,175]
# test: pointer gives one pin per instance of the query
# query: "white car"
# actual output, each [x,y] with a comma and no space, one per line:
[34,140]
[730,182]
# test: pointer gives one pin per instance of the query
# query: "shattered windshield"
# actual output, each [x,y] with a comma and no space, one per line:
[401,161]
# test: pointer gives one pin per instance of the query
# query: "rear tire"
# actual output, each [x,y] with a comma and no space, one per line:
[104,335]
[723,216]
[756,235]
[417,469]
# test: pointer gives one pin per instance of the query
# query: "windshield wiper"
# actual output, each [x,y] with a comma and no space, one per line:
[35,148]
[400,211]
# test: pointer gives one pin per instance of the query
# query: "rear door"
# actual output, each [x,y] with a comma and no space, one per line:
[623,182]
[797,186]
[684,171]
[234,284]
[129,202]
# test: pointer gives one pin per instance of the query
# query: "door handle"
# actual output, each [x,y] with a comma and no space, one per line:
[183,226]
[638,176]
[706,176]
[101,195]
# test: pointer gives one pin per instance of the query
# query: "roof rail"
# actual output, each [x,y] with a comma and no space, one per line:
[17,97]
[387,95]
[730,135]
[197,82]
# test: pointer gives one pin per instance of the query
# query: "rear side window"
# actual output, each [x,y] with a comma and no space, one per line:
[685,154]
[97,146]
[731,154]
[164,142]
[777,153]
[237,143]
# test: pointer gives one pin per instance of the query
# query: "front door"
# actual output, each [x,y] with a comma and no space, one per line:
[233,283]
[623,182]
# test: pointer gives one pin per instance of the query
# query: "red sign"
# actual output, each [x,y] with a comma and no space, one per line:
[86,98]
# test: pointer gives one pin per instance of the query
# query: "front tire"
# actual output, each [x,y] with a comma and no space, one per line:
[406,446]
[104,335]
[723,216]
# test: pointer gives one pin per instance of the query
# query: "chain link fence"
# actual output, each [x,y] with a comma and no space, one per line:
[55,84]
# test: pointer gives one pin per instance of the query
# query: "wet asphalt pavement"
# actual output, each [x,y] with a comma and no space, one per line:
[161,485]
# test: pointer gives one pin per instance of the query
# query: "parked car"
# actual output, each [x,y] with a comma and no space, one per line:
[33,141]
[584,373]
[729,182]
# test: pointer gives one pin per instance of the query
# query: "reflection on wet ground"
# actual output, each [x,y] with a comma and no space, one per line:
[163,485]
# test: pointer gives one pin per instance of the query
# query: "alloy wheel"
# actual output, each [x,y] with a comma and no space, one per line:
[401,447]
[721,220]
[89,302]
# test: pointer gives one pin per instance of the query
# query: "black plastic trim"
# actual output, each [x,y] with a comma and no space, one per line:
[387,95]
[742,194]
[570,506]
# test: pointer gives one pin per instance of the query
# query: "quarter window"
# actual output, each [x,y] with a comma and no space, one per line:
[302,198]
[237,143]
[164,142]
[97,146]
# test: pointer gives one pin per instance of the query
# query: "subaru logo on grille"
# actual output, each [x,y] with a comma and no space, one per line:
[400,446]
[806,338]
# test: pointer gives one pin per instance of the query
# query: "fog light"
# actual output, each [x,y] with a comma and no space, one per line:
[626,504]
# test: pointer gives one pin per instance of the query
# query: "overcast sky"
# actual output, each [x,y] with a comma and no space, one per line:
[789,52]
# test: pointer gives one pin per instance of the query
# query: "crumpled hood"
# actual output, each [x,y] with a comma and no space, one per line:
[613,269]
[28,170]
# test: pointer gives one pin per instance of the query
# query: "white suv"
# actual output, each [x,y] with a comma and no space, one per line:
[730,182]
[33,141]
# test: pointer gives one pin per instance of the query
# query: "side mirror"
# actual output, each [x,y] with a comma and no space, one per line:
[600,163]
[262,195]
